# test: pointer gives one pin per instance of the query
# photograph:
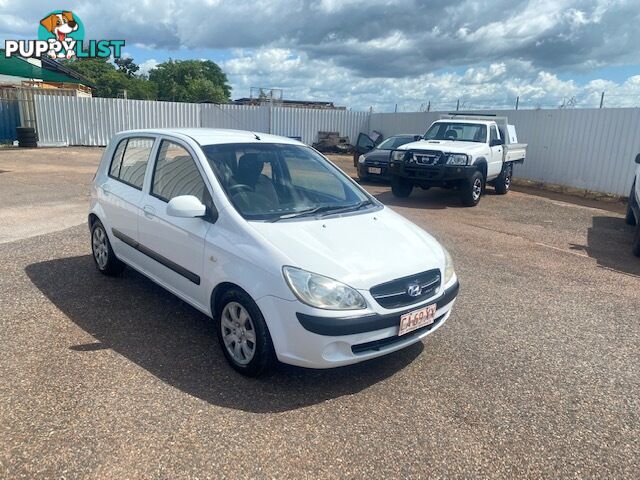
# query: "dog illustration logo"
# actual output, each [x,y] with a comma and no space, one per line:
[61,35]
[61,29]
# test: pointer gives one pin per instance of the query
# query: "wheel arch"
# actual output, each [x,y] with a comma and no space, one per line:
[481,164]
[219,290]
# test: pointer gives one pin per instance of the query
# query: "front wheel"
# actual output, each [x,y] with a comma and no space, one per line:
[502,184]
[471,190]
[400,187]
[103,256]
[243,334]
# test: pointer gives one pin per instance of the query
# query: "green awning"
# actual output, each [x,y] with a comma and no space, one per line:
[17,67]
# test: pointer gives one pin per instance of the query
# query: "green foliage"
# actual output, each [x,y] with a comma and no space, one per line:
[127,66]
[174,80]
[190,81]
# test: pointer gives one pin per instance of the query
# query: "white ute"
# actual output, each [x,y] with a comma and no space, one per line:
[461,151]
[257,232]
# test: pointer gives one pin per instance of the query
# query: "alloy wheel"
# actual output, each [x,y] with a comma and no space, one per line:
[238,333]
[100,247]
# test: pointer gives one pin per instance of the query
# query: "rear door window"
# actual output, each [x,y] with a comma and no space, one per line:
[130,160]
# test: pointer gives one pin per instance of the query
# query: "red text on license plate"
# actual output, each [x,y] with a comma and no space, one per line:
[418,318]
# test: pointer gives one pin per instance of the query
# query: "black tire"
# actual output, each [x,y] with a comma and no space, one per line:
[263,354]
[471,190]
[636,242]
[400,187]
[631,218]
[502,184]
[100,246]
[27,145]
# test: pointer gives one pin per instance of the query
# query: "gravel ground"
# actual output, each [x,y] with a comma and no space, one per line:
[535,375]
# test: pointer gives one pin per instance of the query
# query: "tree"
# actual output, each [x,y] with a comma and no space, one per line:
[127,66]
[190,81]
[111,82]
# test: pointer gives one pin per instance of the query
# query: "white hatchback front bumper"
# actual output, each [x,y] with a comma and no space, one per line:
[315,338]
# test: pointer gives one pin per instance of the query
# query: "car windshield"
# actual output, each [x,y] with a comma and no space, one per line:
[280,181]
[392,143]
[462,132]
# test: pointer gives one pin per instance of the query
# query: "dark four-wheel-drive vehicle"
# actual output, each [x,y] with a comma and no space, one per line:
[373,160]
[459,151]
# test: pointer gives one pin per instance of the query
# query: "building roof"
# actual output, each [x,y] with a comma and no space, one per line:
[51,72]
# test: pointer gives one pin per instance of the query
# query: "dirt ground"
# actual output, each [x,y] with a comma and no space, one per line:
[534,375]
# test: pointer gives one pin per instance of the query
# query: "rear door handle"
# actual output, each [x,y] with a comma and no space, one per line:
[149,211]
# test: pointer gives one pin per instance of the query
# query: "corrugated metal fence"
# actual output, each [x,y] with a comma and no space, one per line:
[581,148]
[592,149]
[92,121]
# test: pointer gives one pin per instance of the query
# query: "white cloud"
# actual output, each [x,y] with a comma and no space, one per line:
[147,65]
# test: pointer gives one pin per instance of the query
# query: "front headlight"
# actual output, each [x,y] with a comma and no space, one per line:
[449,272]
[457,159]
[398,155]
[361,159]
[322,292]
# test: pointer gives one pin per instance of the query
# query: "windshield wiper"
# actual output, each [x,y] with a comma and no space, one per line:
[350,208]
[329,209]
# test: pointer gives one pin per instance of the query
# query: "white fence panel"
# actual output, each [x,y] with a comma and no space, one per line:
[237,117]
[307,122]
[593,149]
[93,121]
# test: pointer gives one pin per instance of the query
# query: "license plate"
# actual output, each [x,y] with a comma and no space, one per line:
[418,318]
[375,170]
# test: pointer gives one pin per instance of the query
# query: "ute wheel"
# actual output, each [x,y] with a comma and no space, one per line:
[502,184]
[243,334]
[400,187]
[631,218]
[471,190]
[636,242]
[103,256]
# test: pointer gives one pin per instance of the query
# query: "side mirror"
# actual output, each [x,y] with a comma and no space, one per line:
[638,159]
[496,142]
[186,206]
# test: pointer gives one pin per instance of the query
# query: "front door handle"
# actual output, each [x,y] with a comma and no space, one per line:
[149,211]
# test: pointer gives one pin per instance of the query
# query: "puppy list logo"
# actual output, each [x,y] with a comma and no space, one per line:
[61,35]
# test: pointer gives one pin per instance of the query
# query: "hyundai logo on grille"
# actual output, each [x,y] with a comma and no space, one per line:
[414,290]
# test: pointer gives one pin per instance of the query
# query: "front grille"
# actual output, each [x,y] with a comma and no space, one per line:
[378,345]
[395,294]
[424,157]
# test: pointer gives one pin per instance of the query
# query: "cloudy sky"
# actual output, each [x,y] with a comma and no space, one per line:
[379,53]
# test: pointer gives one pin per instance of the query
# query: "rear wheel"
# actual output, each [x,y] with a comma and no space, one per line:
[400,187]
[243,334]
[471,190]
[502,184]
[103,256]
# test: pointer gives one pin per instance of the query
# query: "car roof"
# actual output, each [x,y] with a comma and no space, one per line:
[212,136]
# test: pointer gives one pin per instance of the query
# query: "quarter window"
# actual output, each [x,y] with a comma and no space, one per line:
[130,161]
[176,174]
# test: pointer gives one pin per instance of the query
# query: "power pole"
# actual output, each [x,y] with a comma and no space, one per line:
[458,105]
[396,109]
[517,102]
[429,106]
[602,100]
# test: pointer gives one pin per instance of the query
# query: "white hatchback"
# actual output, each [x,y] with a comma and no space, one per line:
[291,258]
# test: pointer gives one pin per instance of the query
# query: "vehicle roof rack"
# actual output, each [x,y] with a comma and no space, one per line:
[501,121]
[471,114]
